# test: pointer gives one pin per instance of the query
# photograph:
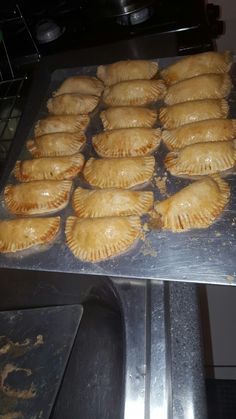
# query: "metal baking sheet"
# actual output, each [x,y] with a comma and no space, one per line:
[201,256]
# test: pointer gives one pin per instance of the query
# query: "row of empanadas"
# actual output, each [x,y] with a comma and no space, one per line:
[195,206]
[92,203]
[56,144]
[127,70]
[134,93]
[199,132]
[194,65]
[95,239]
[127,142]
[72,104]
[49,168]
[108,224]
[24,233]
[61,123]
[83,85]
[202,158]
[37,197]
[198,110]
[206,86]
[124,172]
[128,117]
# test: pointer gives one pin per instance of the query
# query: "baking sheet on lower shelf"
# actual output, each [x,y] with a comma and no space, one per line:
[203,255]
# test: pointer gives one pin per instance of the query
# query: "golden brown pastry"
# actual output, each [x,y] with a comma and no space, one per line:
[38,197]
[134,92]
[95,239]
[200,132]
[56,144]
[128,117]
[127,70]
[198,110]
[84,85]
[49,168]
[119,173]
[23,233]
[206,86]
[127,142]
[89,203]
[202,159]
[72,104]
[194,65]
[63,123]
[195,206]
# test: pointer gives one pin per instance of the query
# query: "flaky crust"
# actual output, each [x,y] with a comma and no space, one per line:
[195,206]
[23,233]
[38,197]
[49,168]
[197,110]
[61,123]
[56,144]
[134,93]
[84,85]
[111,202]
[127,142]
[127,70]
[206,86]
[202,159]
[210,130]
[119,173]
[72,104]
[128,117]
[194,65]
[96,239]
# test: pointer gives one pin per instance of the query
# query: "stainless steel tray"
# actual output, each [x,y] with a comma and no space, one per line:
[206,256]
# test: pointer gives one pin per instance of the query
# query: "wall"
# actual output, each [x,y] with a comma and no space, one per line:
[222,300]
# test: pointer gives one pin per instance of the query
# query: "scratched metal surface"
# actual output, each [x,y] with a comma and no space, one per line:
[35,345]
[204,255]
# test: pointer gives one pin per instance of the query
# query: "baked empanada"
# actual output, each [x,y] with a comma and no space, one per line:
[127,70]
[127,142]
[206,86]
[56,144]
[38,197]
[194,65]
[200,132]
[49,168]
[195,206]
[85,85]
[119,173]
[89,203]
[128,117]
[23,233]
[202,159]
[198,110]
[95,239]
[134,92]
[72,104]
[63,123]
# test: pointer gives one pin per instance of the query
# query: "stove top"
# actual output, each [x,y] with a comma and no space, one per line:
[82,23]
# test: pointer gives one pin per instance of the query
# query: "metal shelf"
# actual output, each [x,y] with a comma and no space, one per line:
[11,86]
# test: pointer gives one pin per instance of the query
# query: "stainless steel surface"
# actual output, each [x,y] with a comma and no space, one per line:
[147,374]
[163,366]
[206,255]
[137,353]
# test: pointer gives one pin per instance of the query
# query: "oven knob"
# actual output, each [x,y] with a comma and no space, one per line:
[47,31]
